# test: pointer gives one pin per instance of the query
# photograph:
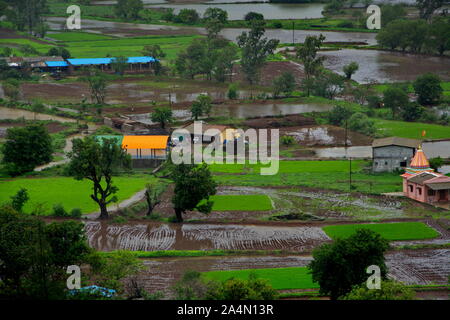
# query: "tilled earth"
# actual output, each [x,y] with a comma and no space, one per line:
[418,267]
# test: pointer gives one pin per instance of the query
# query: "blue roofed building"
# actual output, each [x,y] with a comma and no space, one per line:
[135,63]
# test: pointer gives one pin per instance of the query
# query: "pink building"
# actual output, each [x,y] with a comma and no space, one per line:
[421,183]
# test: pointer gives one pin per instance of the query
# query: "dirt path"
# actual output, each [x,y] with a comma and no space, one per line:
[413,267]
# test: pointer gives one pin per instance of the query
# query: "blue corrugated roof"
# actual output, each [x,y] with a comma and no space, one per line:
[56,64]
[91,61]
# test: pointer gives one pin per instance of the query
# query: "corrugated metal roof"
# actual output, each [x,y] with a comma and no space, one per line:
[396,141]
[56,64]
[144,142]
[97,61]
[422,177]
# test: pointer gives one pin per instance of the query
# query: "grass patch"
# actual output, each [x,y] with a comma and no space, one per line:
[69,192]
[78,36]
[389,231]
[412,130]
[254,202]
[279,278]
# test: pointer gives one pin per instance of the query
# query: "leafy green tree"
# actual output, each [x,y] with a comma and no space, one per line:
[439,34]
[350,69]
[201,106]
[97,86]
[156,52]
[215,19]
[427,7]
[110,270]
[37,107]
[232,91]
[250,16]
[412,111]
[339,115]
[35,255]
[359,122]
[341,265]
[284,84]
[128,9]
[327,85]
[19,199]
[436,163]
[162,115]
[390,290]
[391,12]
[395,99]
[59,51]
[224,62]
[119,65]
[188,16]
[189,62]
[255,49]
[25,148]
[307,54]
[26,15]
[193,183]
[428,89]
[98,162]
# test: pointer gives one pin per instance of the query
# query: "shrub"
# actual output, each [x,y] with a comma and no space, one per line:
[76,213]
[232,92]
[428,89]
[359,122]
[339,114]
[59,211]
[287,140]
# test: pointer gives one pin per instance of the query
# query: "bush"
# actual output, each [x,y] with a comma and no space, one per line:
[359,122]
[428,89]
[339,114]
[59,211]
[76,213]
[389,290]
[232,92]
[374,102]
[287,140]
[276,25]
[284,84]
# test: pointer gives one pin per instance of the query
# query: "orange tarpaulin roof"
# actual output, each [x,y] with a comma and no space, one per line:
[144,142]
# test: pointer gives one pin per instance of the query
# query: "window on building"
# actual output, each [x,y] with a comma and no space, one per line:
[403,164]
[411,188]
[431,192]
[385,163]
[419,190]
[376,163]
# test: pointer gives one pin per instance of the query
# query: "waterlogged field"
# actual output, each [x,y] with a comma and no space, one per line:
[333,175]
[256,202]
[279,278]
[69,192]
[389,231]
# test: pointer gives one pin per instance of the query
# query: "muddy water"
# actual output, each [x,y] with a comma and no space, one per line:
[285,36]
[419,267]
[156,236]
[8,113]
[237,11]
[383,66]
[360,152]
[268,109]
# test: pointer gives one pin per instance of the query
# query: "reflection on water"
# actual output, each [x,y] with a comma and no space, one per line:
[384,66]
[237,11]
[155,236]
[269,109]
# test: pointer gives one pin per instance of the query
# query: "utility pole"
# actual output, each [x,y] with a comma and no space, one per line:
[293,32]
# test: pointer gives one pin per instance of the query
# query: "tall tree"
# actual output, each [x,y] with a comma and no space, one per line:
[439,34]
[162,115]
[97,85]
[25,148]
[339,266]
[215,19]
[307,54]
[427,7]
[97,162]
[395,99]
[428,89]
[201,106]
[156,52]
[193,183]
[255,50]
[26,15]
[119,65]
[128,9]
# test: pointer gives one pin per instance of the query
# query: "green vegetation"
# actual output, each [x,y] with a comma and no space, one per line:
[389,231]
[73,36]
[316,174]
[279,278]
[411,130]
[255,202]
[45,192]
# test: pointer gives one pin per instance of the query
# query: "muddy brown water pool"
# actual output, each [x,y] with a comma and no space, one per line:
[156,236]
[413,267]
[384,66]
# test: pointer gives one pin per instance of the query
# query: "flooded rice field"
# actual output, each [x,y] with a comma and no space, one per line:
[123,29]
[9,113]
[384,66]
[327,135]
[237,11]
[415,267]
[156,236]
